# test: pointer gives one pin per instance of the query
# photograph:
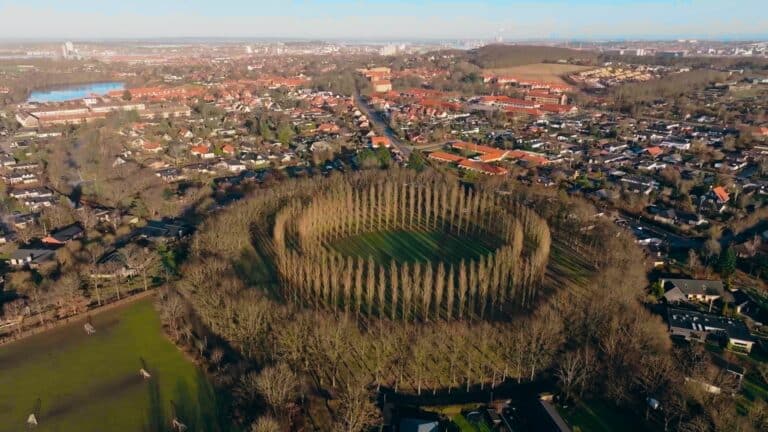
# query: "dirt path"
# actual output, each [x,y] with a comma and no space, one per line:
[74,318]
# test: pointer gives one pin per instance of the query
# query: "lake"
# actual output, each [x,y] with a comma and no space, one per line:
[75,91]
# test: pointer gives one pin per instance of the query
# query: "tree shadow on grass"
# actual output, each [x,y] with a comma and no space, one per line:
[201,407]
[256,268]
[156,420]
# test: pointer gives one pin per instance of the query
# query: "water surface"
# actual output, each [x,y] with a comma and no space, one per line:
[75,91]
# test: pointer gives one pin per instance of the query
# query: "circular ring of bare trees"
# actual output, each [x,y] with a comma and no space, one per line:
[312,274]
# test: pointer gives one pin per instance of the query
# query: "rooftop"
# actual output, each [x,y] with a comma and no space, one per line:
[695,287]
[701,322]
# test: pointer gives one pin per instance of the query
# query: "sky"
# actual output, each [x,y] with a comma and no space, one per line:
[384,19]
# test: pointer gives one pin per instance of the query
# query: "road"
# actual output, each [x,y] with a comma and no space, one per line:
[382,127]
[675,241]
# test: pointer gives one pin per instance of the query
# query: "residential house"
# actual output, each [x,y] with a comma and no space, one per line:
[704,291]
[482,167]
[64,235]
[202,151]
[31,257]
[170,175]
[163,230]
[654,151]
[21,221]
[228,149]
[721,195]
[639,184]
[418,425]
[745,306]
[697,326]
[328,128]
[152,147]
[234,166]
[380,141]
[7,160]
[445,157]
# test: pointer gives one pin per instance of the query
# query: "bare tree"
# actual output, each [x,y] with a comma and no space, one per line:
[247,387]
[14,310]
[69,289]
[171,312]
[357,412]
[141,260]
[571,372]
[266,424]
[278,385]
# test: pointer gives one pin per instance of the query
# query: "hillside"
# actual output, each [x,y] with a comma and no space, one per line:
[549,72]
[503,56]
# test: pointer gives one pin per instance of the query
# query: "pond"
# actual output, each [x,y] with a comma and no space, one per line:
[75,91]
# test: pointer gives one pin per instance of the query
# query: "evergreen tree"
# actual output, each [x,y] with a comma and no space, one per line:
[416,161]
[726,264]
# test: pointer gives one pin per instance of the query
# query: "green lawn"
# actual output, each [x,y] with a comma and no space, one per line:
[465,426]
[598,416]
[92,383]
[411,246]
[753,388]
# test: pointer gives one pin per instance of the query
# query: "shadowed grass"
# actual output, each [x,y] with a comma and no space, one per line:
[412,246]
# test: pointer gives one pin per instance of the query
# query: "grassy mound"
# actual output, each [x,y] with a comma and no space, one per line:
[500,56]
[412,246]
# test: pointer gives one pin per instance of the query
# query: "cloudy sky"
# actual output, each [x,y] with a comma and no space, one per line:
[383,19]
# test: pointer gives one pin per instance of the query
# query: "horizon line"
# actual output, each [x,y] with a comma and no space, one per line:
[490,39]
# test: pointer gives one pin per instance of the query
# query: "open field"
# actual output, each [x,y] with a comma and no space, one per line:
[92,383]
[549,72]
[411,246]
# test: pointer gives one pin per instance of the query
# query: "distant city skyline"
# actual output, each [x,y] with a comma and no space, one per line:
[385,20]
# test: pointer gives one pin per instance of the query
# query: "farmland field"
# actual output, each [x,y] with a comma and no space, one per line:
[549,72]
[92,383]
[411,246]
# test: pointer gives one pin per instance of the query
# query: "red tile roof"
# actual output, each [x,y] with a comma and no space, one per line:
[535,112]
[531,158]
[654,151]
[721,194]
[328,128]
[556,108]
[493,156]
[506,100]
[475,148]
[445,157]
[151,145]
[482,167]
[379,141]
[200,149]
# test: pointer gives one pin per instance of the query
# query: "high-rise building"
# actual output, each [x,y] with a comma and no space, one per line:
[68,50]
[388,50]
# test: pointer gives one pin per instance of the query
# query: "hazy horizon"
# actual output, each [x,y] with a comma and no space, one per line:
[378,20]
